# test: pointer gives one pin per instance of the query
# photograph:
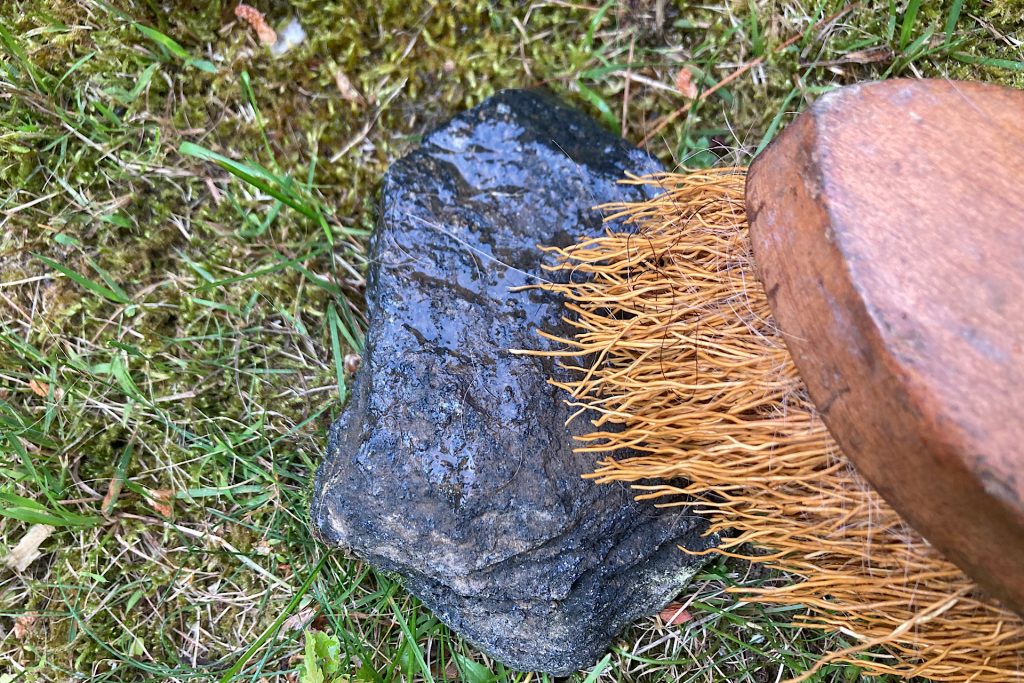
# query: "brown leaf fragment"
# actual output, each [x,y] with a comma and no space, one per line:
[162,502]
[345,88]
[685,84]
[674,614]
[446,672]
[39,388]
[23,625]
[299,620]
[113,491]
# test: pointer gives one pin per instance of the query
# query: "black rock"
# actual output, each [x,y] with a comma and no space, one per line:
[452,465]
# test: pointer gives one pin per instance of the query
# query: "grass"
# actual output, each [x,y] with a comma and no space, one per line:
[182,257]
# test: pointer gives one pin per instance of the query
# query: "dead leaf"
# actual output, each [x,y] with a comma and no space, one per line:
[41,388]
[27,550]
[447,672]
[162,502]
[674,614]
[870,55]
[23,625]
[345,87]
[113,491]
[299,620]
[685,84]
[882,53]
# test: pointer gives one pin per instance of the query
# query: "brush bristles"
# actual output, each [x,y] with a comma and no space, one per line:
[675,347]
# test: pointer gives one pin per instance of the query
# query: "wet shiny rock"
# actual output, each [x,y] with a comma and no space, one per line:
[452,466]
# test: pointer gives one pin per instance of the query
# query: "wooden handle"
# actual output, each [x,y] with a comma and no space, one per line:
[888,225]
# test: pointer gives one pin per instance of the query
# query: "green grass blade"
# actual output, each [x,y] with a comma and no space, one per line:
[909,19]
[339,362]
[773,127]
[40,78]
[890,25]
[117,482]
[108,280]
[988,61]
[129,96]
[14,427]
[756,34]
[954,15]
[605,662]
[350,329]
[258,177]
[265,636]
[118,297]
[28,510]
[175,49]
[473,672]
[595,23]
[75,67]
[200,271]
[172,46]
[603,108]
[282,264]
[410,638]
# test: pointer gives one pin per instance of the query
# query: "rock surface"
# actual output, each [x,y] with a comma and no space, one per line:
[452,464]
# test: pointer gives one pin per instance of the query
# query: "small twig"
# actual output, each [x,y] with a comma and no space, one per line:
[649,82]
[625,94]
[19,309]
[736,74]
[361,135]
[217,540]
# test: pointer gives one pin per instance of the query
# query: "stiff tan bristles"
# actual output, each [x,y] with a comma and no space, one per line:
[675,349]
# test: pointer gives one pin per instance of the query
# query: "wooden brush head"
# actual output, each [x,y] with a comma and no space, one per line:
[888,226]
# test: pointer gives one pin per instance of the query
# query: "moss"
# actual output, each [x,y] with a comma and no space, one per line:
[1007,12]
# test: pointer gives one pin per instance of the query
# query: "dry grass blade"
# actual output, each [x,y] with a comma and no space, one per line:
[693,381]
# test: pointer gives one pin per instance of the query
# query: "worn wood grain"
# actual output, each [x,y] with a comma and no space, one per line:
[888,225]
